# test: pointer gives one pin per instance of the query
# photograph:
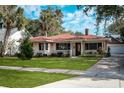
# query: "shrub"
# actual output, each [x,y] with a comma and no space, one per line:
[26,51]
[39,55]
[66,55]
[60,54]
[53,55]
[99,50]
[45,55]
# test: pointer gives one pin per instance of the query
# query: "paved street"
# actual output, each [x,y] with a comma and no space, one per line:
[107,73]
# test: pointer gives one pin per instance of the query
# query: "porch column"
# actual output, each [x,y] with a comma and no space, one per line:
[104,46]
[82,48]
[71,49]
[44,48]
[49,48]
[54,48]
[36,48]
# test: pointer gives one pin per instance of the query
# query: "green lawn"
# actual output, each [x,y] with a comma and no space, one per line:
[81,63]
[23,79]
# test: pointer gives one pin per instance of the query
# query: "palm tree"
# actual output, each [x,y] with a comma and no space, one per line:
[12,17]
[20,19]
[51,20]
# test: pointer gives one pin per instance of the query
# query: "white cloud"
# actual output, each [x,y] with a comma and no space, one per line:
[78,21]
[32,11]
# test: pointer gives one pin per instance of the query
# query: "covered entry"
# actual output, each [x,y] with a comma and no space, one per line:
[77,49]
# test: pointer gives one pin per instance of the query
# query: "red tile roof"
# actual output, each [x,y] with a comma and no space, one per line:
[63,37]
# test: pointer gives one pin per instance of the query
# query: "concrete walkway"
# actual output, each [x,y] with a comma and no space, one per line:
[107,73]
[63,71]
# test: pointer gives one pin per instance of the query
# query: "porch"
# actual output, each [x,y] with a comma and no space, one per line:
[68,48]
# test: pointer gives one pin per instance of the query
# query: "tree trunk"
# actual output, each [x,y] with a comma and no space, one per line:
[45,33]
[4,45]
[105,30]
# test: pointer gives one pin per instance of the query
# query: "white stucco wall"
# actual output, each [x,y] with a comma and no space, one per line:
[36,49]
[72,51]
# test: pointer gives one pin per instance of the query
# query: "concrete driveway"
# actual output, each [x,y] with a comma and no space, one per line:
[107,73]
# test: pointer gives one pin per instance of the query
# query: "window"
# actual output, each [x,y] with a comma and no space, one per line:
[41,46]
[46,46]
[92,46]
[99,45]
[1,25]
[62,46]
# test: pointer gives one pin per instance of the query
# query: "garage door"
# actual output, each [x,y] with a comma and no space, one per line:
[117,49]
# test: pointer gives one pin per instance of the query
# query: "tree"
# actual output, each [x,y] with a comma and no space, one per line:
[105,13]
[7,16]
[51,20]
[26,51]
[48,24]
[12,17]
[78,33]
[21,21]
[33,27]
[117,29]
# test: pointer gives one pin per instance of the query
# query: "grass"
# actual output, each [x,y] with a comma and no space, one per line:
[23,79]
[81,63]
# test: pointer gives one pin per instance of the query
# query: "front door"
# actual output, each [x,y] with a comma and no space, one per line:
[78,49]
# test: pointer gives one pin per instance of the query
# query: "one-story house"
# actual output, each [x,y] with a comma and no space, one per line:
[74,45]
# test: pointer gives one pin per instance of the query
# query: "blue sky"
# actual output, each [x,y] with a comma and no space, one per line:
[73,19]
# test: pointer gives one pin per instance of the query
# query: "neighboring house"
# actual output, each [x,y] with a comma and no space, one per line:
[116,45]
[74,45]
[14,42]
